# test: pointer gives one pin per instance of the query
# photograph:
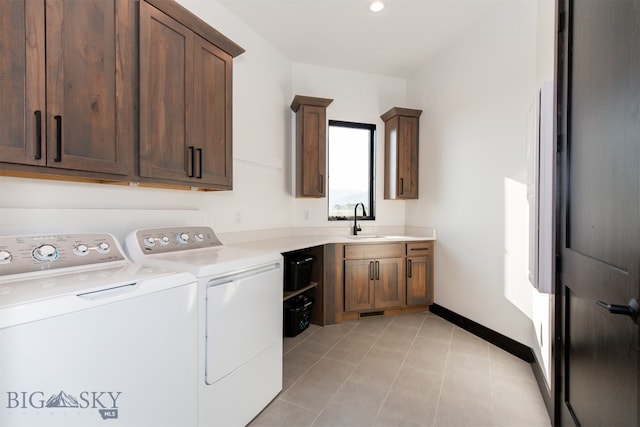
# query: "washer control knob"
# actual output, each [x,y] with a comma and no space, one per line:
[149,241]
[164,240]
[45,253]
[81,249]
[183,237]
[103,247]
[5,257]
[199,237]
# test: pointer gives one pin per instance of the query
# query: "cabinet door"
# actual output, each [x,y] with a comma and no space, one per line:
[166,52]
[90,69]
[407,158]
[358,285]
[212,134]
[311,151]
[22,82]
[419,280]
[389,282]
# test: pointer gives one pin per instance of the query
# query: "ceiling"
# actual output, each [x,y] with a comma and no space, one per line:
[345,34]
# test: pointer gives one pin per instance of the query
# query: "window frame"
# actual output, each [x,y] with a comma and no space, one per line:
[372,170]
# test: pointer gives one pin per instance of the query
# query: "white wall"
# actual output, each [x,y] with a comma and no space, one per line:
[476,95]
[357,97]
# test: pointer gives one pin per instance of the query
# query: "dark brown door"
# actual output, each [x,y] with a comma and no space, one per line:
[407,157]
[389,289]
[599,227]
[312,124]
[22,103]
[358,284]
[212,110]
[418,286]
[166,87]
[90,93]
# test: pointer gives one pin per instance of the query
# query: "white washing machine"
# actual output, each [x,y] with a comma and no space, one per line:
[240,318]
[89,339]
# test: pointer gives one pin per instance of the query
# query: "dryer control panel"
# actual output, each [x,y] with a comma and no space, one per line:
[171,239]
[43,252]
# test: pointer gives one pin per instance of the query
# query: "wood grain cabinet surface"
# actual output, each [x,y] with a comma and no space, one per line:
[311,145]
[419,273]
[185,99]
[401,127]
[67,78]
[374,276]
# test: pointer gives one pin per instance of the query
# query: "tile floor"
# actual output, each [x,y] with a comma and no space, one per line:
[406,370]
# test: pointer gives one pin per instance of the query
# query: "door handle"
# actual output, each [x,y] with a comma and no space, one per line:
[630,310]
[191,162]
[58,120]
[38,155]
[199,150]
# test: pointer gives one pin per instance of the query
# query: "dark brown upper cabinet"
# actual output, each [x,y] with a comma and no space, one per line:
[401,153]
[311,145]
[67,78]
[185,99]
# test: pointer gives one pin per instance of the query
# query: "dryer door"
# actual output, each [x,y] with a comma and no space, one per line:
[243,318]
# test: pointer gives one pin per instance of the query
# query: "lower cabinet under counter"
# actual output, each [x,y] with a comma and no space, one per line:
[380,278]
[419,273]
[353,280]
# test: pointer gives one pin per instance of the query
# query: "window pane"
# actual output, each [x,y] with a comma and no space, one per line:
[350,174]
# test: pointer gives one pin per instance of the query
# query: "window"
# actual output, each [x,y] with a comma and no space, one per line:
[351,169]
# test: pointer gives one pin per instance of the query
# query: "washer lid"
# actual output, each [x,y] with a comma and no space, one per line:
[34,298]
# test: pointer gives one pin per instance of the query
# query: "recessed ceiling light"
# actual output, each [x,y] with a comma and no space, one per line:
[376,6]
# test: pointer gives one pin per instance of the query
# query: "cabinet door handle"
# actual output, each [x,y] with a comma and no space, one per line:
[401,185]
[191,162]
[377,270]
[38,155]
[419,249]
[321,183]
[371,270]
[199,150]
[409,268]
[58,120]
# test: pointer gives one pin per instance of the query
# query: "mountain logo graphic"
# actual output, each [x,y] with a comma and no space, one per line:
[62,400]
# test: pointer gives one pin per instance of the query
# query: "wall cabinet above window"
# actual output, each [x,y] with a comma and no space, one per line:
[401,153]
[311,145]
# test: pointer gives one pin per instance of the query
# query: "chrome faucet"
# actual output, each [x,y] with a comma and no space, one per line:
[356,228]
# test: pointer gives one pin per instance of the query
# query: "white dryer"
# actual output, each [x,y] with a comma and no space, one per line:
[89,339]
[240,318]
